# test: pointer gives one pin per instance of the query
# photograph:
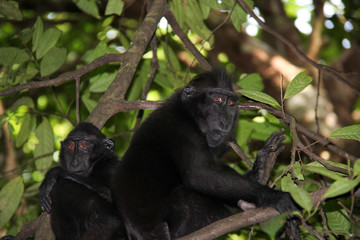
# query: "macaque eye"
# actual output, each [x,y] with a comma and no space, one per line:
[230,102]
[71,146]
[84,146]
[217,99]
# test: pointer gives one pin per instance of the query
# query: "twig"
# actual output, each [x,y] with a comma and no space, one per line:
[295,138]
[187,43]
[324,220]
[240,153]
[286,118]
[216,28]
[154,68]
[57,101]
[100,61]
[349,211]
[23,164]
[313,231]
[317,102]
[320,160]
[78,100]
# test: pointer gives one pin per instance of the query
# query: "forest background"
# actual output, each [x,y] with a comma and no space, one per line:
[295,62]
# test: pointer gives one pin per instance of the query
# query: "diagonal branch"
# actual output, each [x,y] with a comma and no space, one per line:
[187,43]
[100,61]
[118,88]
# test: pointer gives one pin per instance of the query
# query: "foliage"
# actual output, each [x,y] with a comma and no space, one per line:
[57,43]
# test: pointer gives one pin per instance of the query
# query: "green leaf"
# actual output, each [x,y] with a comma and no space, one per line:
[238,16]
[340,187]
[88,6]
[301,197]
[10,10]
[38,32]
[357,167]
[337,217]
[27,101]
[27,75]
[12,55]
[10,196]
[299,83]
[349,132]
[26,35]
[89,103]
[45,136]
[193,18]
[98,51]
[163,80]
[318,168]
[338,221]
[298,171]
[25,130]
[114,7]
[243,133]
[205,10]
[52,61]
[262,130]
[101,82]
[273,225]
[32,191]
[178,9]
[47,41]
[251,81]
[171,58]
[221,5]
[259,96]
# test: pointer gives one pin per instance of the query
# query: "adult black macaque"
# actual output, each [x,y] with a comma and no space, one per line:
[170,181]
[77,194]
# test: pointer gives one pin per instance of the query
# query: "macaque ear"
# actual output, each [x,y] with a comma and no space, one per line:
[188,93]
[109,144]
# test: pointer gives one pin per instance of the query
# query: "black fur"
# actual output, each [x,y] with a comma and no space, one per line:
[77,194]
[170,181]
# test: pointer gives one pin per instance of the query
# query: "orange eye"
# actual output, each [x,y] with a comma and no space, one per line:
[230,102]
[71,146]
[217,99]
[84,146]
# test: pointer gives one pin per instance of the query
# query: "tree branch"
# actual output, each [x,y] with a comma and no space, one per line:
[44,231]
[123,105]
[100,61]
[286,118]
[28,229]
[187,43]
[232,223]
[240,153]
[118,88]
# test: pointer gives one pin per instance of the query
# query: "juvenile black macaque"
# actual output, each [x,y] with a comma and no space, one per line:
[77,194]
[170,181]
